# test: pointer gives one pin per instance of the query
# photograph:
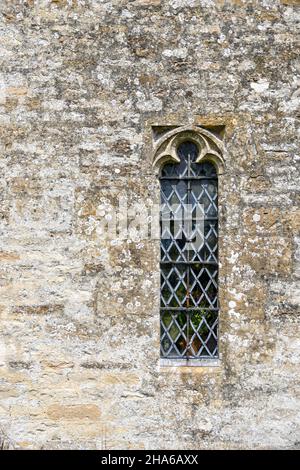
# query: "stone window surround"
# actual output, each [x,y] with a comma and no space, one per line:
[211,148]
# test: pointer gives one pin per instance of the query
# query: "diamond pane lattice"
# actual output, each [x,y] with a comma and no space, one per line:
[173,334]
[190,334]
[189,257]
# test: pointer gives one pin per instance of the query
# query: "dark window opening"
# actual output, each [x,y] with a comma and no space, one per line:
[189,257]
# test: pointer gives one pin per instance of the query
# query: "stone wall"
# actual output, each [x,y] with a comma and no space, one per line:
[82,82]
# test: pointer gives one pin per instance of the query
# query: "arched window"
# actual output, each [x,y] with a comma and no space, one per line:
[189,256]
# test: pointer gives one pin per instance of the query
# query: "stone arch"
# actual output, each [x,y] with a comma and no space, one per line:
[210,147]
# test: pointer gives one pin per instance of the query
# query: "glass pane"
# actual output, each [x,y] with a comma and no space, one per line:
[189,251]
[173,331]
[188,149]
[173,286]
[203,333]
[204,169]
[203,286]
[187,152]
[204,194]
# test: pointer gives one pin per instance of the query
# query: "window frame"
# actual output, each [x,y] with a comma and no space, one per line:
[166,140]
[189,314]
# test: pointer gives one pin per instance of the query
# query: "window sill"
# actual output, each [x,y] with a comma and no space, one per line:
[190,362]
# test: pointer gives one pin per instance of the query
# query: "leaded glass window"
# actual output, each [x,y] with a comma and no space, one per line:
[189,257]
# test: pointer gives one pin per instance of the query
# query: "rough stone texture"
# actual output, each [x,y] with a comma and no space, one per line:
[81,84]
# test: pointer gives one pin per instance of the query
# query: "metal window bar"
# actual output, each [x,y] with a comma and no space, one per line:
[189,279]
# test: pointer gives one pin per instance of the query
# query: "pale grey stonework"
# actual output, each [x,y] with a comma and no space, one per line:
[83,86]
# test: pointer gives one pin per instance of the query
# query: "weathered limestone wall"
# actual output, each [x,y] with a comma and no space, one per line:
[81,84]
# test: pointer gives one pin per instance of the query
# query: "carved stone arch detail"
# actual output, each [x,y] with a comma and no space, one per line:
[210,147]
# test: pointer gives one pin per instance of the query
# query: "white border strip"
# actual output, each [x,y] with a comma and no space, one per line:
[189,362]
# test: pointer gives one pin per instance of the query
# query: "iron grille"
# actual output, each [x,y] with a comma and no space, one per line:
[189,270]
